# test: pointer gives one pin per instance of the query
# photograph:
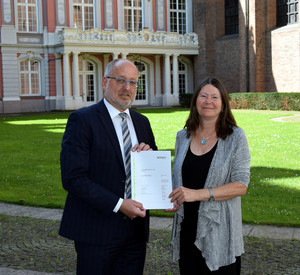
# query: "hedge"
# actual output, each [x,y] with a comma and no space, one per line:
[257,101]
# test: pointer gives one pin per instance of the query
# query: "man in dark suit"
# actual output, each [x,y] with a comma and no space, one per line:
[109,229]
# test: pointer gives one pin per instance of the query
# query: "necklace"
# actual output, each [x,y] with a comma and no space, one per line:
[204,140]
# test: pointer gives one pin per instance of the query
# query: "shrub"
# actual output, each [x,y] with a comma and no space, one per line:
[257,101]
[185,100]
[265,101]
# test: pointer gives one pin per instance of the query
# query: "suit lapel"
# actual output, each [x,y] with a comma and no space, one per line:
[109,129]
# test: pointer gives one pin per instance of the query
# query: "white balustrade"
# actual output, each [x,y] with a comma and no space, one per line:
[122,37]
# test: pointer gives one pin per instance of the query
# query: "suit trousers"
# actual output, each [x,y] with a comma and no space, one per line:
[125,254]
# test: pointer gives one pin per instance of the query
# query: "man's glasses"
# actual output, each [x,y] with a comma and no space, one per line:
[121,81]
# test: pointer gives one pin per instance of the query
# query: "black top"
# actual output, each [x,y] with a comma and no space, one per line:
[194,173]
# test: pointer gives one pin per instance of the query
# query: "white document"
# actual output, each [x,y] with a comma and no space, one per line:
[151,180]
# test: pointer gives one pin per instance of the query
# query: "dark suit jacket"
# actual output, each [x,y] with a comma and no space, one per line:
[93,173]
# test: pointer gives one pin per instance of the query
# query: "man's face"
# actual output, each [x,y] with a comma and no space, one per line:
[121,97]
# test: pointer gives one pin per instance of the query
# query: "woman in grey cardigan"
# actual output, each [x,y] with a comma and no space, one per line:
[210,174]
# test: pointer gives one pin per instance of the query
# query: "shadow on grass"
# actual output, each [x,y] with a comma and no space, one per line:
[272,172]
[273,197]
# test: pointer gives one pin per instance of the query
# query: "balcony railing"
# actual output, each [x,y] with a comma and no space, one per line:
[121,37]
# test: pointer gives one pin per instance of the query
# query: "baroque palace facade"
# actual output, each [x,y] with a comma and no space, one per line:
[53,52]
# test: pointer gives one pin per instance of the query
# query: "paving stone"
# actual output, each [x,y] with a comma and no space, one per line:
[31,246]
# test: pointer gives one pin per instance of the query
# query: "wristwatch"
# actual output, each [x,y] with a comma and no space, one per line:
[211,194]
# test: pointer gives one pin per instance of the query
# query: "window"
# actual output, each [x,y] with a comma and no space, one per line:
[287,12]
[27,15]
[87,77]
[142,88]
[231,17]
[30,77]
[178,16]
[182,78]
[83,14]
[133,15]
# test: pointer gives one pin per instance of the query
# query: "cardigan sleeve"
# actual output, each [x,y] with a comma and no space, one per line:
[240,166]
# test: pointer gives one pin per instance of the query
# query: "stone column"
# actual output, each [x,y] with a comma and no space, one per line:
[75,69]
[175,76]
[75,74]
[46,79]
[60,104]
[158,95]
[67,86]
[115,55]
[106,59]
[124,55]
[167,82]
[66,70]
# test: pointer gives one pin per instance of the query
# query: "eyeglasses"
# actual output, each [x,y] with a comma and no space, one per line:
[121,81]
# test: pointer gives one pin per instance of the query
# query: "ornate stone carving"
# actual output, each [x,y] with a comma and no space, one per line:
[122,37]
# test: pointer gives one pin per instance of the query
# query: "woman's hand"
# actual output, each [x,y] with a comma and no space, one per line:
[141,147]
[175,207]
[183,194]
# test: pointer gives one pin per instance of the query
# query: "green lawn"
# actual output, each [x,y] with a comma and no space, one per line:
[30,147]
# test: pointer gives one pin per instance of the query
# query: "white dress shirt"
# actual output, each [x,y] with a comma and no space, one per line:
[116,119]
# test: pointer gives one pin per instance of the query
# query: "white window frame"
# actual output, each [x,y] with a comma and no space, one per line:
[84,73]
[180,72]
[177,11]
[132,8]
[189,15]
[29,73]
[38,15]
[188,72]
[142,74]
[82,5]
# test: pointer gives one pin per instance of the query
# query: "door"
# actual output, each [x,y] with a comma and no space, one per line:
[87,82]
[142,91]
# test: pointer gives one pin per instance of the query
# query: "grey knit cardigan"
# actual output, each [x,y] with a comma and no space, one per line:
[219,230]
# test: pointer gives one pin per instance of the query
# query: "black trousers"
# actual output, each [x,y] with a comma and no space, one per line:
[192,262]
[125,254]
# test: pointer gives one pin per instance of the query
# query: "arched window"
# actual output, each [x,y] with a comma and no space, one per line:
[182,78]
[182,74]
[133,15]
[87,81]
[27,15]
[178,18]
[141,93]
[287,12]
[83,14]
[30,77]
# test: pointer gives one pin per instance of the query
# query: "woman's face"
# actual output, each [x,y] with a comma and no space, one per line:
[209,102]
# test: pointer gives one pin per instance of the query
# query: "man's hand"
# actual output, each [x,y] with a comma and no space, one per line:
[132,209]
[141,147]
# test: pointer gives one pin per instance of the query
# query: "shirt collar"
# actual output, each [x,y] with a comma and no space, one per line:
[113,111]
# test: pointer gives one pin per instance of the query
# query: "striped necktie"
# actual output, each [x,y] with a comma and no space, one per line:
[127,148]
